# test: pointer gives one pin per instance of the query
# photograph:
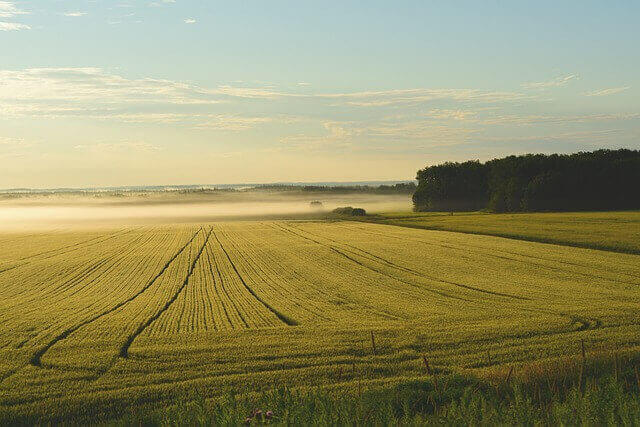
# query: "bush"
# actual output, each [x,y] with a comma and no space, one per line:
[348,210]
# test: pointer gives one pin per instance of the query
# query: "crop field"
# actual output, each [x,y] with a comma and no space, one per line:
[96,321]
[617,231]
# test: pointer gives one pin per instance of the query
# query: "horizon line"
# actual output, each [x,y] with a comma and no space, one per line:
[210,186]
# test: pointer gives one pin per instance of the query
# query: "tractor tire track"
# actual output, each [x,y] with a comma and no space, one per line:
[274,267]
[375,258]
[73,280]
[124,350]
[212,264]
[484,252]
[223,291]
[339,252]
[585,323]
[112,294]
[285,319]
[36,359]
[60,251]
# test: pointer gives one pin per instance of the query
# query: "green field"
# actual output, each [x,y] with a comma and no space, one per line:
[97,321]
[611,231]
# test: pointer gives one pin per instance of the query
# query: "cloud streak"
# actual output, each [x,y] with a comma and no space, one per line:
[557,82]
[417,96]
[8,9]
[74,14]
[13,26]
[115,147]
[291,117]
[70,91]
[605,92]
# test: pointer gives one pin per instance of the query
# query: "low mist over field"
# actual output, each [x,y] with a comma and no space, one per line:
[60,209]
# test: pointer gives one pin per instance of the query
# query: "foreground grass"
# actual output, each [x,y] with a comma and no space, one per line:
[601,391]
[612,231]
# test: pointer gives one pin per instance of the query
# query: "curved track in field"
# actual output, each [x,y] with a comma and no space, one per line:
[61,250]
[285,319]
[36,359]
[124,349]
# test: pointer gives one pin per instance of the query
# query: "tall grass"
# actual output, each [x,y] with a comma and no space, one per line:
[604,391]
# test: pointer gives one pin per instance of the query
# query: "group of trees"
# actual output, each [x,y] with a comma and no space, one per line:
[598,180]
[348,210]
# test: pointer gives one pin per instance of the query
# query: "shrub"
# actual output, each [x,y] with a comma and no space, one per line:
[350,211]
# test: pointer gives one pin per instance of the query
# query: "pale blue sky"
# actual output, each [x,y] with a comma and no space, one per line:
[174,92]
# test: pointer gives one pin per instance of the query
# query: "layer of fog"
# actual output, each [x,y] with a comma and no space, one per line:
[32,213]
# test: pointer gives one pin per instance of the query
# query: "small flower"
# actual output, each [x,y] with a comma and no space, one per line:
[257,413]
[248,420]
[268,415]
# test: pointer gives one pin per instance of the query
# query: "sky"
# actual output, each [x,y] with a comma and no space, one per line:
[159,92]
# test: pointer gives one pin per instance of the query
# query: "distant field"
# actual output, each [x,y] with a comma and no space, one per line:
[96,322]
[613,231]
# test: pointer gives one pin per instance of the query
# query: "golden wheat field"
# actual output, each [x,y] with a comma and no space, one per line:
[96,321]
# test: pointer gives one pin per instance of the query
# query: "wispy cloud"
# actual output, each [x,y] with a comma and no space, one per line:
[4,140]
[13,26]
[605,92]
[298,119]
[87,85]
[452,114]
[495,117]
[417,96]
[557,82]
[232,122]
[590,136]
[161,3]
[335,136]
[74,14]
[94,84]
[8,9]
[13,147]
[123,146]
[353,135]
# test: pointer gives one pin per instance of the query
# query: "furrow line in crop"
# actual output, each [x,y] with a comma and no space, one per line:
[584,322]
[73,281]
[124,350]
[282,317]
[107,293]
[373,257]
[223,291]
[37,356]
[483,251]
[217,310]
[256,313]
[71,248]
[306,259]
[339,252]
[49,295]
[46,286]
[267,265]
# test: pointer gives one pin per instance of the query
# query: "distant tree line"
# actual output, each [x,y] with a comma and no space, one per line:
[400,188]
[598,180]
